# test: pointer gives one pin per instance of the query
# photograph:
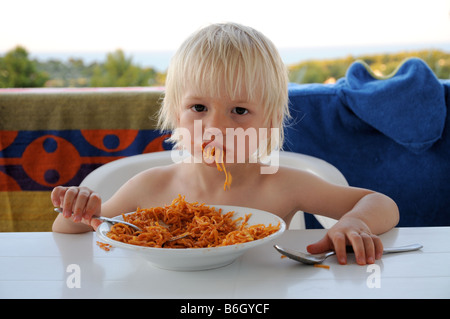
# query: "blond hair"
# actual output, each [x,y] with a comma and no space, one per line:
[248,62]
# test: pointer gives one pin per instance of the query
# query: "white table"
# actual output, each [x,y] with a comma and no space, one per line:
[42,265]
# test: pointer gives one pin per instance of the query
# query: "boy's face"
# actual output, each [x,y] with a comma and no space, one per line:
[233,125]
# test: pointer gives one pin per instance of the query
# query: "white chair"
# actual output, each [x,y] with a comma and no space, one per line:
[107,179]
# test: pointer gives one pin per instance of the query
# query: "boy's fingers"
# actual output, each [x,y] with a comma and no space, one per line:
[339,243]
[69,199]
[92,206]
[378,247]
[369,248]
[357,243]
[57,196]
[94,223]
[80,203]
[320,246]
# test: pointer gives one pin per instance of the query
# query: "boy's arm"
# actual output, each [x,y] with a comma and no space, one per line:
[378,211]
[362,215]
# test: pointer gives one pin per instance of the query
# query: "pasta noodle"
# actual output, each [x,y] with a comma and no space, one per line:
[104,246]
[217,155]
[322,266]
[206,227]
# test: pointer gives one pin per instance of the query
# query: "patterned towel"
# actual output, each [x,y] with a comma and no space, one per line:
[57,137]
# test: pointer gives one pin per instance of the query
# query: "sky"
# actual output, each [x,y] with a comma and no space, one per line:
[139,25]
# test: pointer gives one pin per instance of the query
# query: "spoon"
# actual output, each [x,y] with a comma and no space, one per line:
[310,259]
[115,221]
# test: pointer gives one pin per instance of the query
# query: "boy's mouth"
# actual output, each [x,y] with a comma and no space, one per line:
[212,150]
[215,154]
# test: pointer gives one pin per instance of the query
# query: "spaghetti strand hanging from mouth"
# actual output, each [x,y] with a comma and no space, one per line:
[217,155]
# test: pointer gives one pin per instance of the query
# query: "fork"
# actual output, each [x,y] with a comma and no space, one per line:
[106,219]
[116,221]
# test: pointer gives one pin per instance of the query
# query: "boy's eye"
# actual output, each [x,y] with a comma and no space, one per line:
[240,110]
[198,108]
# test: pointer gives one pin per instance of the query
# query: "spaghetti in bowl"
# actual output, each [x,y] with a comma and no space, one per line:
[180,258]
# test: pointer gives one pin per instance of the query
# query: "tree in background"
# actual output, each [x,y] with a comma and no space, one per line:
[119,71]
[328,71]
[17,70]
[71,73]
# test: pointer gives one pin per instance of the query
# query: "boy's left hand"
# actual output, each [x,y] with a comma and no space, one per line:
[350,231]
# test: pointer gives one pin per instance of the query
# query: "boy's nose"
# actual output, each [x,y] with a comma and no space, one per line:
[216,123]
[213,129]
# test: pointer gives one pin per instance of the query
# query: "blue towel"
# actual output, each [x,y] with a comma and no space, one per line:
[408,107]
[386,134]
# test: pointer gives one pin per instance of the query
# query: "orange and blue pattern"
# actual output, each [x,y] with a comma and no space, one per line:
[57,137]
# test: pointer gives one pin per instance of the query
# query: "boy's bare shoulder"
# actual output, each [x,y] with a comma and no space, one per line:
[151,186]
[148,188]
[293,179]
[285,172]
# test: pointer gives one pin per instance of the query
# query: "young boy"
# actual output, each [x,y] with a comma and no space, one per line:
[225,84]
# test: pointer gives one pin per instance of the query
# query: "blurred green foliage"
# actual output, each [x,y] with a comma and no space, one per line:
[328,71]
[18,70]
[119,71]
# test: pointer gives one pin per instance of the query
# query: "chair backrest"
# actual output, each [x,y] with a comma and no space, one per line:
[107,179]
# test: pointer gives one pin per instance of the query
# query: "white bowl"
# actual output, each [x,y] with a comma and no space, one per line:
[188,259]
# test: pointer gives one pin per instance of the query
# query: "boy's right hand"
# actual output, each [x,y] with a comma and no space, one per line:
[80,203]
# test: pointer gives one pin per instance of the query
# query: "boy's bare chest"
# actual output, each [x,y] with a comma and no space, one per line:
[253,198]
[261,194]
